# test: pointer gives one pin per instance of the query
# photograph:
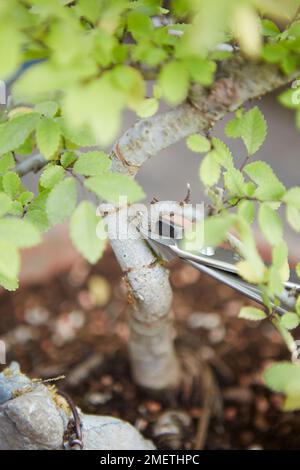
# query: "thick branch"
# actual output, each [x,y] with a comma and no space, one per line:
[237,81]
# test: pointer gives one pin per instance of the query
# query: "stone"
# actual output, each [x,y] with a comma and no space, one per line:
[11,380]
[107,433]
[31,422]
[33,417]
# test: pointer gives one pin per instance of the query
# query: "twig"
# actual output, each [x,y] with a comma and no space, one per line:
[204,420]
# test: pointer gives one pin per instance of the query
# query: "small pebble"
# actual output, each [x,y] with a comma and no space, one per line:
[238,395]
[208,321]
[98,398]
[217,335]
[100,290]
[230,413]
[153,406]
[36,316]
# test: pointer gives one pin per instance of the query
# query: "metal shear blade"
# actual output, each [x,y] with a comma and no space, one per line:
[218,263]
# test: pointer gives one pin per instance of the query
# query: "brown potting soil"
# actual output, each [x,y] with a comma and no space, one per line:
[76,325]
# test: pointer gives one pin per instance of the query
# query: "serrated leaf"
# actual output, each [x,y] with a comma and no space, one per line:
[234,182]
[52,175]
[209,170]
[92,163]
[36,212]
[61,201]
[83,231]
[198,143]
[9,259]
[290,321]
[269,186]
[174,82]
[19,232]
[11,184]
[270,224]
[113,186]
[253,129]
[13,133]
[5,204]
[223,154]
[48,137]
[252,313]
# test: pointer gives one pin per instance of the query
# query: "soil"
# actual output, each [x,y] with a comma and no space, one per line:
[76,325]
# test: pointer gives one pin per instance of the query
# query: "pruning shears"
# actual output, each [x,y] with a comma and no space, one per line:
[219,263]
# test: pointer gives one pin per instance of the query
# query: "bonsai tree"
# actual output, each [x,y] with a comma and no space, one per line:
[72,67]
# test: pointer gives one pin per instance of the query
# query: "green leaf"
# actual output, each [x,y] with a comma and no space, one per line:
[48,137]
[275,283]
[233,128]
[10,284]
[292,197]
[198,143]
[36,212]
[279,375]
[216,229]
[253,129]
[52,175]
[47,108]
[92,163]
[5,204]
[139,25]
[7,162]
[252,313]
[174,82]
[147,108]
[67,159]
[61,201]
[234,182]
[293,217]
[209,170]
[223,154]
[112,186]
[13,133]
[83,137]
[298,269]
[201,71]
[83,231]
[246,210]
[290,321]
[11,184]
[10,48]
[250,270]
[269,186]
[19,232]
[9,260]
[269,28]
[26,197]
[270,224]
